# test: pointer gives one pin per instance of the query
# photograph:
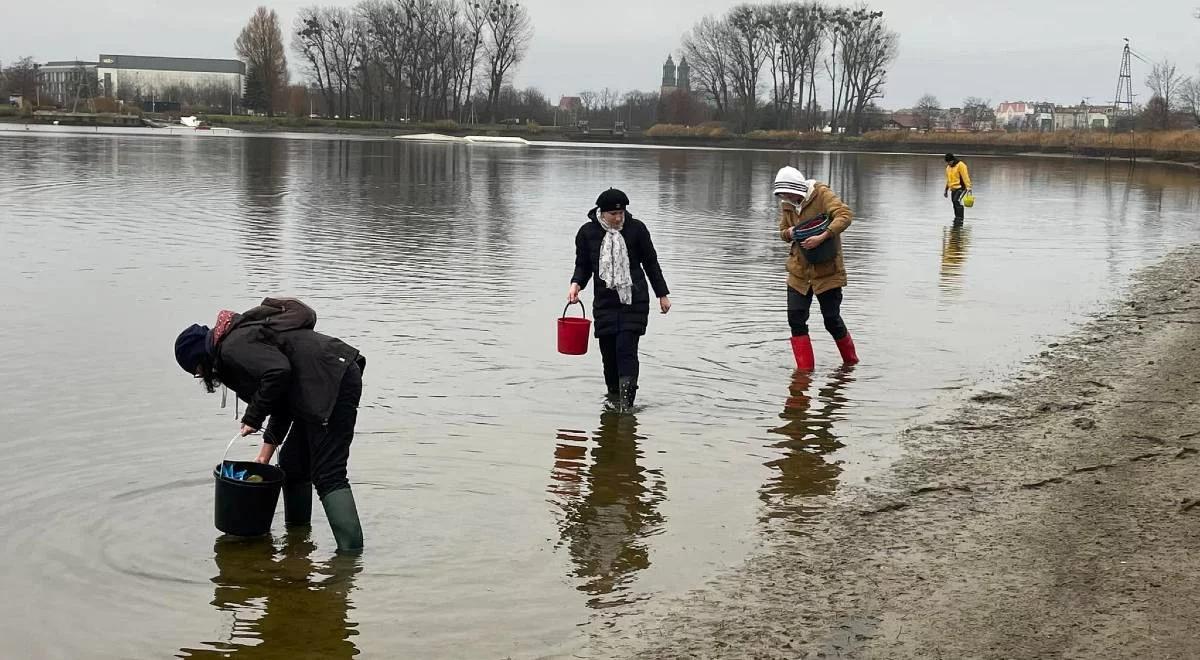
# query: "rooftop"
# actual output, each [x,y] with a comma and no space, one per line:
[192,64]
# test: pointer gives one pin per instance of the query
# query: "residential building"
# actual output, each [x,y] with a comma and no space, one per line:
[1014,114]
[1081,117]
[140,76]
[61,82]
[1043,117]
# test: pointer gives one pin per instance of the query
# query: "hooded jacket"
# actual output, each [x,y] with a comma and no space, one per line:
[282,371]
[803,276]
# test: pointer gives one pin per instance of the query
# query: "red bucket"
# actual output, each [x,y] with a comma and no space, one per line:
[573,332]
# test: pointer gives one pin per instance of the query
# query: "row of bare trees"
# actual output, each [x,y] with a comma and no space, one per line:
[788,46]
[1175,97]
[412,59]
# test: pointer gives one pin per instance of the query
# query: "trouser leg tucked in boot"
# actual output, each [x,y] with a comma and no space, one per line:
[297,503]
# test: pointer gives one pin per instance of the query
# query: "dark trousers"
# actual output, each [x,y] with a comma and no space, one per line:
[831,311]
[319,454]
[956,200]
[620,353]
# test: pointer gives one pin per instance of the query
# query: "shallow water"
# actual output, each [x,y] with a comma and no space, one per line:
[506,513]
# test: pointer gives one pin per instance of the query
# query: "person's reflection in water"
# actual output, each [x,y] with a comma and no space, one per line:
[955,241]
[283,604]
[609,508]
[802,473]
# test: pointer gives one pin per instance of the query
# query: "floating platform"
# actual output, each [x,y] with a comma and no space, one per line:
[431,137]
[470,139]
[487,139]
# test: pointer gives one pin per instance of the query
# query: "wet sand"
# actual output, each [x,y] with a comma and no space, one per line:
[1056,518]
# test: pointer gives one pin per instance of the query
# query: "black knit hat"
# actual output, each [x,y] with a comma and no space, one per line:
[612,200]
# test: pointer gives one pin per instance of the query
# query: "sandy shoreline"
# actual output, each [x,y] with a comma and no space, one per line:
[1057,518]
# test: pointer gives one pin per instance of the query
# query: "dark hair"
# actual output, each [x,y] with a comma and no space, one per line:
[208,375]
[950,158]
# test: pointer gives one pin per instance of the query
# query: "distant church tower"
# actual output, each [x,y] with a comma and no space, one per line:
[669,82]
[684,81]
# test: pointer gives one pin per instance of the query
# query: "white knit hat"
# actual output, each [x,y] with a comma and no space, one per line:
[791,180]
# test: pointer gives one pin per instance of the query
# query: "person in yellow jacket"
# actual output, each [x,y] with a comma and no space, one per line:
[958,184]
[812,219]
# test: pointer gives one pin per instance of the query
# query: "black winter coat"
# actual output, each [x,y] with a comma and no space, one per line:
[289,374]
[610,315]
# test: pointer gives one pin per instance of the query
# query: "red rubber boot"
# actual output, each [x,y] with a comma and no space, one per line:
[802,349]
[846,348]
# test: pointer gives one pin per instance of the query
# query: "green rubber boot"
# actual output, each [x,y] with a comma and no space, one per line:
[343,519]
[297,503]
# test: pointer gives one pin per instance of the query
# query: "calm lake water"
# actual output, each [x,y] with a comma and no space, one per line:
[506,514]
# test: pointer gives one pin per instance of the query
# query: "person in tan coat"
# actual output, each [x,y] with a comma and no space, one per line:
[812,219]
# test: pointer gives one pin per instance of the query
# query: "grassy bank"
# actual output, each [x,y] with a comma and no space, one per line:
[1170,145]
[1163,145]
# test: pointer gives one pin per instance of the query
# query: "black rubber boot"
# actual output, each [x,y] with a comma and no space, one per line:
[343,520]
[297,503]
[626,395]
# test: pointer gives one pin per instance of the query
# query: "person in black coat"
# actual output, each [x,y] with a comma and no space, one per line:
[616,249]
[307,383]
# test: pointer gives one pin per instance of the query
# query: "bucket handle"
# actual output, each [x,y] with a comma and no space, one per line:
[578,302]
[229,446]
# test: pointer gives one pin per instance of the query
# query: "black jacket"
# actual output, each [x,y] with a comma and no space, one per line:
[610,315]
[288,374]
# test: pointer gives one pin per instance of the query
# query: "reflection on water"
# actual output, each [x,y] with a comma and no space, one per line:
[608,507]
[955,241]
[280,603]
[803,472]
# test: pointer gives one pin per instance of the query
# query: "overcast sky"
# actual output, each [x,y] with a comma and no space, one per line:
[1057,50]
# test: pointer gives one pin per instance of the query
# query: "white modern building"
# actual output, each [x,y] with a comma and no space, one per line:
[140,76]
[62,81]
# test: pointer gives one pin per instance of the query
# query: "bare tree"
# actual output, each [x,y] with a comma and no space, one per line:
[795,32]
[261,45]
[475,15]
[1189,97]
[311,41]
[868,49]
[748,47]
[707,48]
[589,100]
[1166,84]
[21,79]
[928,109]
[978,112]
[609,98]
[509,34]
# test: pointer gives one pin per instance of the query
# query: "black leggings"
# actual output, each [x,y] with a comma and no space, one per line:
[798,305]
[620,353]
[320,453]
[956,200]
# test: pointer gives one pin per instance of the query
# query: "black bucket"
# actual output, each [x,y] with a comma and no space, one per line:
[824,252]
[246,508]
